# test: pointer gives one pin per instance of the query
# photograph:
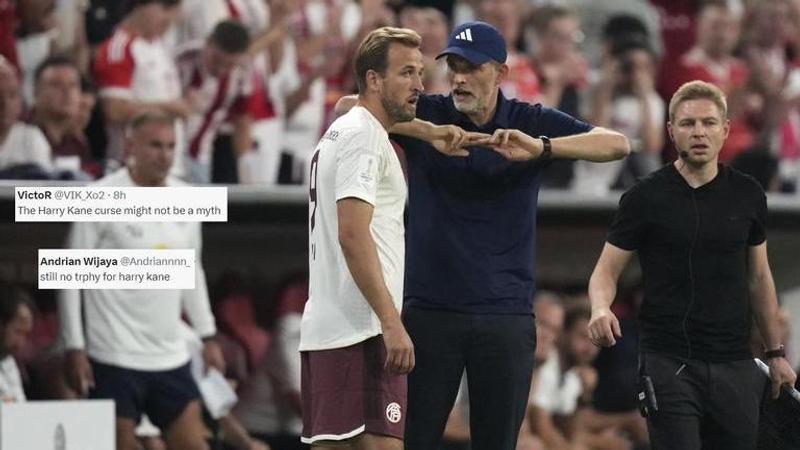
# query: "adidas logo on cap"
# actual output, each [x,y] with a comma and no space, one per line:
[465,35]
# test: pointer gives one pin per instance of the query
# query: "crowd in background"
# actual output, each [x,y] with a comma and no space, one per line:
[252,83]
[251,98]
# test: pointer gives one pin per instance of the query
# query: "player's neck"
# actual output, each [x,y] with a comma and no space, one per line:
[374,106]
[697,175]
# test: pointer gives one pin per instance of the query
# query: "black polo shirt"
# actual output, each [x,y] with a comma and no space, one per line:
[693,247]
[471,231]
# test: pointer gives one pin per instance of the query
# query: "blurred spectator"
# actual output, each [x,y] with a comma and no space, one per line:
[431,24]
[24,151]
[102,17]
[59,111]
[760,164]
[16,323]
[8,26]
[549,313]
[323,33]
[269,407]
[711,59]
[625,99]
[231,432]
[552,41]
[775,81]
[35,34]
[677,34]
[522,82]
[552,37]
[597,16]
[136,73]
[71,37]
[218,85]
[565,387]
[131,349]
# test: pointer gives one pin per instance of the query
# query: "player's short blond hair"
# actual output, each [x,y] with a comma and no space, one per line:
[373,53]
[696,90]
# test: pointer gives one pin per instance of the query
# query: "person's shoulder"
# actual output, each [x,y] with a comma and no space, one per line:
[740,180]
[120,177]
[189,53]
[354,124]
[117,47]
[173,181]
[646,185]
[432,106]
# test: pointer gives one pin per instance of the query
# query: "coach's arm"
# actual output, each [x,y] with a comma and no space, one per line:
[597,145]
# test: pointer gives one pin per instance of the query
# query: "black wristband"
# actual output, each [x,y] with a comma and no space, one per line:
[547,148]
[779,352]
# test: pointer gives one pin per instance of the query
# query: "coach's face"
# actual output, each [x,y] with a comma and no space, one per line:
[402,83]
[699,129]
[152,147]
[474,88]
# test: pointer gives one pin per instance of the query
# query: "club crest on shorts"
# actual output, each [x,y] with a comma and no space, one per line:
[393,412]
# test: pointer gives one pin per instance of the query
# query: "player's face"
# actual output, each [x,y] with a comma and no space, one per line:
[402,84]
[16,331]
[474,88]
[153,150]
[699,129]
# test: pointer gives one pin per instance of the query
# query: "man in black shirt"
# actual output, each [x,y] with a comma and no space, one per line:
[699,229]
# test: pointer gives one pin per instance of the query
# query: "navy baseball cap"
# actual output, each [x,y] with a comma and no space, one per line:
[477,42]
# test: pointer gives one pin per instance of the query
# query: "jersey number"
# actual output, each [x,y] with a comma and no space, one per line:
[312,188]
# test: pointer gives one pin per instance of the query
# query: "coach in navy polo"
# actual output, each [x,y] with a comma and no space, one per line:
[471,244]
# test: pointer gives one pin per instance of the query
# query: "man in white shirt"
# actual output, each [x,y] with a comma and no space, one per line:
[16,323]
[355,351]
[20,143]
[131,349]
[135,72]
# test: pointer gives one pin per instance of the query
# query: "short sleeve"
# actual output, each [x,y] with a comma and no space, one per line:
[554,123]
[114,66]
[758,229]
[358,167]
[628,225]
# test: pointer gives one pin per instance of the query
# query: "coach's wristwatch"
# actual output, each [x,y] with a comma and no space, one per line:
[547,148]
[779,352]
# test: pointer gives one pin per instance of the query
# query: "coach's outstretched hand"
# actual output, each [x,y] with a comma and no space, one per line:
[451,139]
[604,327]
[514,145]
[781,373]
[80,376]
[399,348]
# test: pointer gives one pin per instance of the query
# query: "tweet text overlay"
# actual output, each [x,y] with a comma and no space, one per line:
[121,204]
[116,269]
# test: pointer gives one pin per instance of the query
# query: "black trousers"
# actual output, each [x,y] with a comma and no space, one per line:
[497,353]
[707,405]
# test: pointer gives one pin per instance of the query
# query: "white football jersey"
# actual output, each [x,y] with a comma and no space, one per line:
[355,159]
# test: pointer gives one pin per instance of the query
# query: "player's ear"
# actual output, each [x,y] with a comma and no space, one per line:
[374,81]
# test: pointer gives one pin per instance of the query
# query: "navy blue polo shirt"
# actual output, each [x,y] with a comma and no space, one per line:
[471,233]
